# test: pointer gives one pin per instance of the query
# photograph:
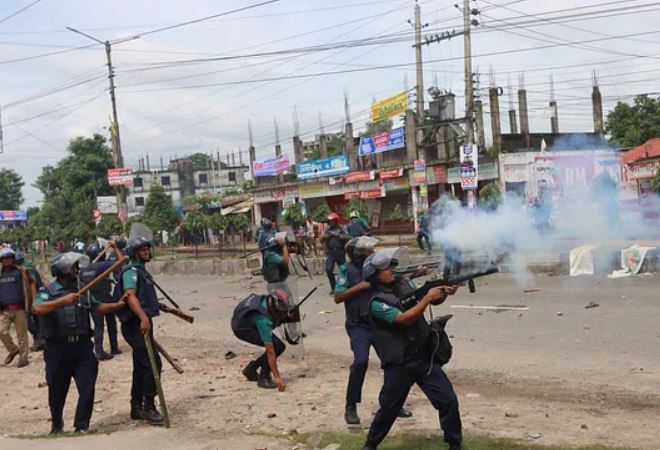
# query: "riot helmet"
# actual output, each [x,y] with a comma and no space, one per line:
[94,250]
[7,253]
[359,248]
[279,298]
[333,218]
[266,224]
[19,258]
[354,215]
[61,265]
[136,243]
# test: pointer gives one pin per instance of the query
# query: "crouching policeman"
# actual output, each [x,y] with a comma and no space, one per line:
[402,338]
[253,321]
[65,325]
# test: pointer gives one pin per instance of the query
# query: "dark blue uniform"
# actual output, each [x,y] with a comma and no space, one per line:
[68,354]
[335,252]
[103,293]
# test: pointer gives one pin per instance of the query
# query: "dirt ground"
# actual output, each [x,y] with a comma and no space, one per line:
[554,373]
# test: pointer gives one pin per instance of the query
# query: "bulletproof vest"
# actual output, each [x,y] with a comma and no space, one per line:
[69,320]
[334,242]
[103,290]
[34,274]
[274,272]
[397,344]
[403,288]
[146,294]
[357,308]
[11,287]
[356,228]
[246,306]
[263,238]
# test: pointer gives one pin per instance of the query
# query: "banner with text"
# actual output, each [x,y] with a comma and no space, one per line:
[383,142]
[13,216]
[120,177]
[270,167]
[327,167]
[388,107]
[468,166]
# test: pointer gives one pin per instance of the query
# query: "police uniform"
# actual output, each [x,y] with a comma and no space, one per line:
[143,387]
[103,293]
[33,321]
[253,323]
[357,227]
[274,270]
[68,354]
[405,354]
[14,294]
[335,251]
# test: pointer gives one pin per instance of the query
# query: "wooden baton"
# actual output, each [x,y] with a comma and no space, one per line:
[103,275]
[168,357]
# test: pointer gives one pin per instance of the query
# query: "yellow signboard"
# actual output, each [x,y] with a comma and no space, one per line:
[388,107]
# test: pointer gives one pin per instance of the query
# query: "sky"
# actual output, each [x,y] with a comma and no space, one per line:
[172,100]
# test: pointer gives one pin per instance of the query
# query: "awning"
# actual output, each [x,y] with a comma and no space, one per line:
[649,149]
[238,208]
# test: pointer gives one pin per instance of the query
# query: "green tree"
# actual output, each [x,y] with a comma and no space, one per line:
[336,144]
[293,215]
[655,182]
[320,214]
[196,221]
[11,185]
[109,226]
[399,215]
[159,213]
[241,222]
[632,125]
[490,197]
[381,126]
[360,206]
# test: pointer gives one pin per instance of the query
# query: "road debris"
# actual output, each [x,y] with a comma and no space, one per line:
[592,305]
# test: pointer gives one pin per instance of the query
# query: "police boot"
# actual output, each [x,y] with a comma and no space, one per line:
[38,345]
[350,415]
[405,413]
[266,382]
[152,415]
[137,410]
[250,371]
[103,356]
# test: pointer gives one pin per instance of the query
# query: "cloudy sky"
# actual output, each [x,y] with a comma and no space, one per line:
[193,88]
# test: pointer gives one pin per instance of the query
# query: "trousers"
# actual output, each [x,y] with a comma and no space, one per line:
[20,320]
[433,381]
[252,336]
[361,341]
[143,385]
[335,256]
[423,236]
[111,322]
[64,361]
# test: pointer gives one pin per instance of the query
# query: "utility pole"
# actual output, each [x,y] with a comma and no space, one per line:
[418,65]
[469,94]
[117,157]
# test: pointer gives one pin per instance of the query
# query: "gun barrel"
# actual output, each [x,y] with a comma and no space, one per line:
[458,279]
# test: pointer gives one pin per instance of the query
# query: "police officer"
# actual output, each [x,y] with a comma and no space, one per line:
[33,322]
[424,230]
[253,321]
[357,226]
[264,233]
[17,290]
[334,239]
[275,267]
[103,293]
[354,293]
[65,325]
[402,340]
[136,324]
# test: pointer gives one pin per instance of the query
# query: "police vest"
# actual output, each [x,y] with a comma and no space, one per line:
[146,294]
[334,242]
[356,228]
[34,274]
[397,344]
[103,290]
[357,308]
[250,304]
[274,273]
[11,287]
[70,320]
[263,238]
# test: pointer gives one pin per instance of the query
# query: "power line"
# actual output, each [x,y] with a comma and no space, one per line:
[14,14]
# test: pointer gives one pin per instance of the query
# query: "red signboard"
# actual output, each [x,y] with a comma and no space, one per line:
[120,177]
[372,193]
[390,173]
[365,175]
[350,195]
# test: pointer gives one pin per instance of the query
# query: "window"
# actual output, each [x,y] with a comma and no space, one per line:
[139,201]
[203,178]
[232,177]
[165,180]
[137,182]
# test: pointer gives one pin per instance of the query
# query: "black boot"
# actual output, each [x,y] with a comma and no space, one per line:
[115,351]
[152,415]
[137,410]
[38,345]
[350,415]
[250,371]
[103,356]
[266,382]
[405,413]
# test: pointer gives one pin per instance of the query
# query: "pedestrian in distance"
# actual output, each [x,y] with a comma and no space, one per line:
[403,342]
[17,292]
[334,237]
[65,325]
[424,231]
[253,321]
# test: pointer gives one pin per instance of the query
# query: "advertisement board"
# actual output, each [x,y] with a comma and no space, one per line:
[335,165]
[107,204]
[468,167]
[383,142]
[120,177]
[13,216]
[389,107]
[270,167]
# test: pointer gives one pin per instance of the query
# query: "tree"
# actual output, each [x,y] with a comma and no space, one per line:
[360,206]
[109,226]
[159,212]
[336,144]
[490,197]
[399,215]
[655,182]
[630,126]
[320,214]
[381,126]
[11,184]
[241,222]
[293,215]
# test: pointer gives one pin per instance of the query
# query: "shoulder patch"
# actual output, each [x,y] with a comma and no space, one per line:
[385,306]
[341,279]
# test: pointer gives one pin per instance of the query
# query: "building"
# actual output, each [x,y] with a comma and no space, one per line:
[12,219]
[643,163]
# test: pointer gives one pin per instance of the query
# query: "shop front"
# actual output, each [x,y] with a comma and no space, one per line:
[269,202]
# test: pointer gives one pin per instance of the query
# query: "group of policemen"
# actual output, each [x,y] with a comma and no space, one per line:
[63,318]
[371,291]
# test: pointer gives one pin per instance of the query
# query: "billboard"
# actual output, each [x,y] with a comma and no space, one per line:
[327,167]
[107,204]
[13,216]
[383,142]
[270,167]
[469,166]
[388,107]
[120,177]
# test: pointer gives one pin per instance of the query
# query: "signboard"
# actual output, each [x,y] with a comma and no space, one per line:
[365,175]
[389,107]
[390,173]
[417,178]
[120,177]
[420,165]
[273,195]
[270,167]
[645,169]
[439,174]
[335,165]
[371,193]
[13,216]
[107,204]
[311,190]
[383,142]
[468,166]
[395,184]
[289,199]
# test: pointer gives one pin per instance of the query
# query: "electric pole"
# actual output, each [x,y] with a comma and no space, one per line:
[418,64]
[469,94]
[117,157]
